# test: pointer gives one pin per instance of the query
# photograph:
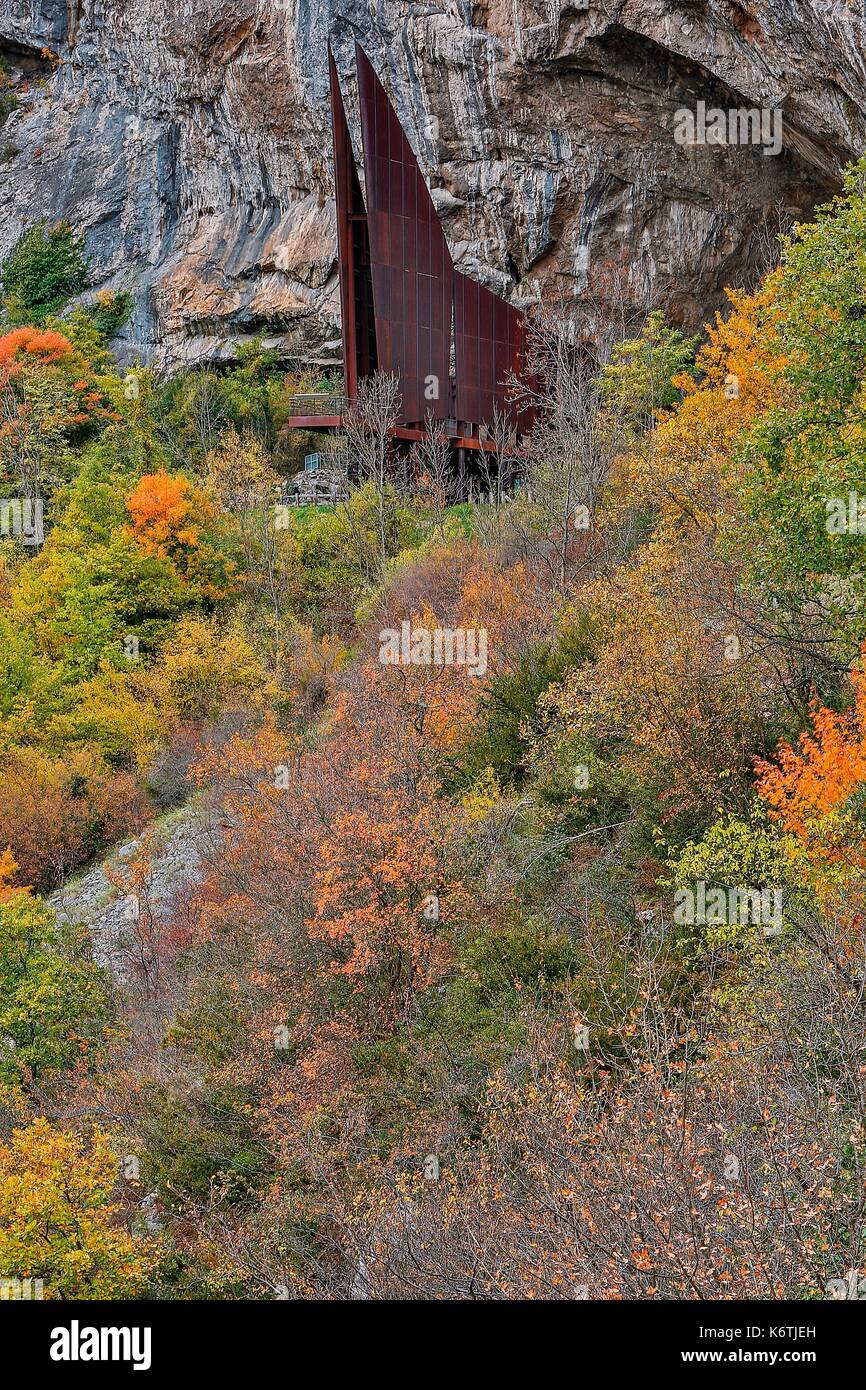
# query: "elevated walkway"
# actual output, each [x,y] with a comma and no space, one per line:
[328,411]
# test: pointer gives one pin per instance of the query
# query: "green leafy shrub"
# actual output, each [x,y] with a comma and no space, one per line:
[44,269]
[202,1147]
[53,999]
[509,706]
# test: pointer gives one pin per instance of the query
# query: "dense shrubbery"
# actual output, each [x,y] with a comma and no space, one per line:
[45,268]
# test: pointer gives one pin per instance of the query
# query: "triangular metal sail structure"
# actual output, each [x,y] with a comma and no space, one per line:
[413,275]
[353,245]
[401,295]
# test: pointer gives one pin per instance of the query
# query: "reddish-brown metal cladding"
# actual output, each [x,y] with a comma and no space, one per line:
[413,273]
[489,345]
[401,296]
[356,287]
[474,334]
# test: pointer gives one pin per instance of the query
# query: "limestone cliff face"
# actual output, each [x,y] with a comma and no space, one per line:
[189,140]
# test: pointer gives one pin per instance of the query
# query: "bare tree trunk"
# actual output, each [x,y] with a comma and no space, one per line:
[368,428]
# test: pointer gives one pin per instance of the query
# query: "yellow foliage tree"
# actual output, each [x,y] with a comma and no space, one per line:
[686,467]
[200,672]
[57,1219]
[672,683]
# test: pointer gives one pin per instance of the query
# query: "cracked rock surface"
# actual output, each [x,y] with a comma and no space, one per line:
[190,142]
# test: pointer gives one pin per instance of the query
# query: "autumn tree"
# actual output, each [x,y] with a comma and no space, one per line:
[814,790]
[56,813]
[53,999]
[170,519]
[59,1221]
[367,429]
[48,396]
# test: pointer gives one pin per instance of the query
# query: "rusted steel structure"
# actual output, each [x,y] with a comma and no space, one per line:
[489,341]
[455,346]
[413,275]
[353,245]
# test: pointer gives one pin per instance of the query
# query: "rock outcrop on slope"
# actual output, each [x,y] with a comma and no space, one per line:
[189,140]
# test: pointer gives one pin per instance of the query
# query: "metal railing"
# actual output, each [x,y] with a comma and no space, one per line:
[319,403]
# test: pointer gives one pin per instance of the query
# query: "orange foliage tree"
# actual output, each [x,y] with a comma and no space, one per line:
[53,815]
[161,507]
[176,521]
[810,788]
[37,344]
[379,892]
[8,869]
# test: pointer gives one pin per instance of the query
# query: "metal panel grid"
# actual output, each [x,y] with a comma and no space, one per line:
[399,288]
[412,269]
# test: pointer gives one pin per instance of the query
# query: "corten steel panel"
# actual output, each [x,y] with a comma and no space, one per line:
[356,287]
[510,352]
[489,344]
[412,271]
